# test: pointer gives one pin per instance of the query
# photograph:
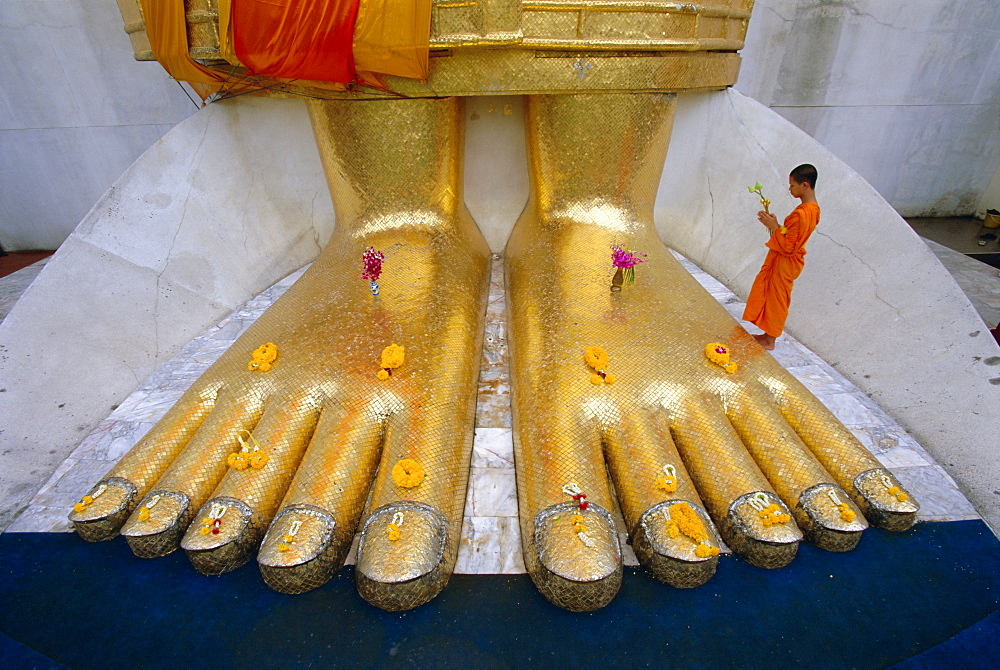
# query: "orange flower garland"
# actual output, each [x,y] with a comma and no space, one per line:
[719,354]
[407,473]
[263,357]
[597,358]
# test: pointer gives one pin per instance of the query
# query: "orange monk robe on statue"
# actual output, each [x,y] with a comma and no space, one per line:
[767,306]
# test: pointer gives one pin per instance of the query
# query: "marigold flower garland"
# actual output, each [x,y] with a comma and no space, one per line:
[394,531]
[371,260]
[255,457]
[683,520]
[263,357]
[900,494]
[719,354]
[144,510]
[407,473]
[87,501]
[571,489]
[597,358]
[846,513]
[770,514]
[392,357]
[289,537]
[668,483]
[213,522]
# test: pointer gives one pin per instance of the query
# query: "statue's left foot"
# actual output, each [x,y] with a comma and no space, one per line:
[652,386]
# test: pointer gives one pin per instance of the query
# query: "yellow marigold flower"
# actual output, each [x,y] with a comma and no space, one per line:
[673,530]
[392,356]
[283,547]
[407,473]
[577,518]
[730,367]
[596,358]
[609,378]
[847,515]
[898,492]
[79,508]
[143,514]
[596,380]
[688,521]
[205,530]
[262,357]
[393,532]
[86,500]
[237,461]
[579,528]
[258,460]
[705,551]
[382,375]
[666,484]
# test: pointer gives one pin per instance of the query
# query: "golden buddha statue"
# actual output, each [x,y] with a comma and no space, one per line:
[287,463]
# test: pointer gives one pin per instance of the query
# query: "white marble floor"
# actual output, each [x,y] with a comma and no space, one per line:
[490,533]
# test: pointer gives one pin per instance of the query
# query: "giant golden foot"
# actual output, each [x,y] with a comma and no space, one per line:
[674,429]
[333,433]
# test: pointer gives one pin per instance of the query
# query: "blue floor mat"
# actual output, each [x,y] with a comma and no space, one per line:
[894,597]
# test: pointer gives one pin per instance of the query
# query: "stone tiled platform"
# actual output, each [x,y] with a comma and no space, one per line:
[490,534]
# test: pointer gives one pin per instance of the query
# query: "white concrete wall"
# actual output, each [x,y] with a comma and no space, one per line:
[75,111]
[906,92]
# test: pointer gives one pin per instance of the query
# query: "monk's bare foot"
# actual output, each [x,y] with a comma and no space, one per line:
[654,385]
[307,430]
[766,341]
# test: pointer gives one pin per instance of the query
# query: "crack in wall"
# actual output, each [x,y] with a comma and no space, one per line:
[871,274]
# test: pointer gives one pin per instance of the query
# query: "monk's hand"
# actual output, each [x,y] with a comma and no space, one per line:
[769,220]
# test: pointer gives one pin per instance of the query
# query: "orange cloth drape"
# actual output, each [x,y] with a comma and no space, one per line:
[296,39]
[166,28]
[318,40]
[771,294]
[331,40]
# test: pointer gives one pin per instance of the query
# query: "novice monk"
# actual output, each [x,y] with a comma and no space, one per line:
[767,306]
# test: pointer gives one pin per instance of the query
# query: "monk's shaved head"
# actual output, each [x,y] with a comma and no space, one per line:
[804,173]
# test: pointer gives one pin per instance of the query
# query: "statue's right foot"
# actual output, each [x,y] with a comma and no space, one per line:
[652,387]
[305,420]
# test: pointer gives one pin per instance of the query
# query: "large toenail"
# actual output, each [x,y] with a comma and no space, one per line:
[221,538]
[109,506]
[759,528]
[885,501]
[676,541]
[401,556]
[579,561]
[301,551]
[829,519]
[155,529]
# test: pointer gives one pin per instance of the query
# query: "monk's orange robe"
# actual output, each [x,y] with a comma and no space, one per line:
[767,306]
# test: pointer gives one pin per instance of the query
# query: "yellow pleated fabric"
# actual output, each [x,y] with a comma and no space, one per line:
[393,37]
[167,30]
